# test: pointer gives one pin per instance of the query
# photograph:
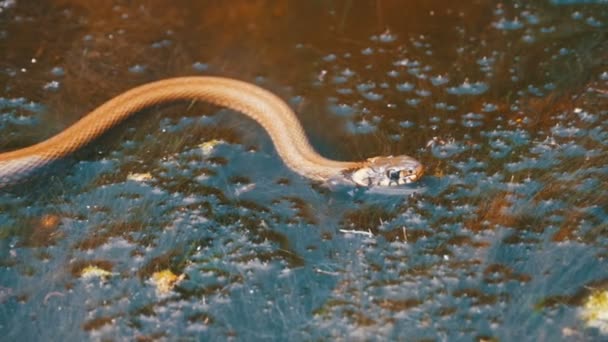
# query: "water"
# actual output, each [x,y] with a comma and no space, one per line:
[504,102]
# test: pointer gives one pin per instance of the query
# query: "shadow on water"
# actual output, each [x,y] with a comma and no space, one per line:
[184,223]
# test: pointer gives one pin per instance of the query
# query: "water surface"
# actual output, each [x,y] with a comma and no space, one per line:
[504,102]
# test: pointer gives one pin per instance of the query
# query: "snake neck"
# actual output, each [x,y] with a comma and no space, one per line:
[272,113]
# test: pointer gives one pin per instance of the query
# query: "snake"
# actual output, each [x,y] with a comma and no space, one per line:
[270,111]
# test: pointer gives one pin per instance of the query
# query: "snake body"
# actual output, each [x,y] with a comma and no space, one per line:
[275,116]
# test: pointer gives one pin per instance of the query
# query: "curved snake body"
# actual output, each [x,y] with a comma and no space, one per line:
[275,116]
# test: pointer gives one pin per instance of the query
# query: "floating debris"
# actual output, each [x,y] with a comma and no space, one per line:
[208,146]
[95,272]
[357,232]
[595,311]
[139,177]
[165,281]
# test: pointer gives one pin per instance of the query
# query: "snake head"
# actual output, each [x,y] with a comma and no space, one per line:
[388,171]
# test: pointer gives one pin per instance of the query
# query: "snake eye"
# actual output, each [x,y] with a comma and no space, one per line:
[410,171]
[393,175]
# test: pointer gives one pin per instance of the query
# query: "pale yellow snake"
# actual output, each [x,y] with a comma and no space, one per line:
[267,109]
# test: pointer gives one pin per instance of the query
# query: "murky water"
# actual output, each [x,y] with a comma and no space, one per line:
[505,102]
